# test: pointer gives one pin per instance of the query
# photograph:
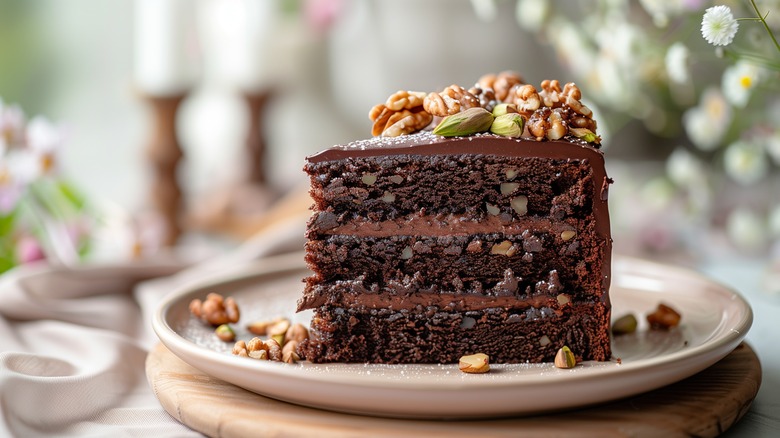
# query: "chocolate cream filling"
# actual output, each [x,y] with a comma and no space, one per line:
[444,301]
[438,225]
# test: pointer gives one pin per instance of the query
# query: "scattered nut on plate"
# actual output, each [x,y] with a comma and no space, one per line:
[565,358]
[225,333]
[663,318]
[624,325]
[474,363]
[215,310]
[261,328]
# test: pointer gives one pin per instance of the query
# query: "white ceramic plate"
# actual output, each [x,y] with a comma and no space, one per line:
[715,319]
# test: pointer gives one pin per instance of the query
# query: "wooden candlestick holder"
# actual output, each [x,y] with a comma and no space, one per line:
[255,140]
[164,153]
[240,209]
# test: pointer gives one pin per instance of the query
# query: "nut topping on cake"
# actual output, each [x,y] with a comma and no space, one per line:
[525,97]
[468,122]
[550,113]
[551,93]
[401,114]
[451,100]
[500,83]
[405,100]
[508,125]
[486,96]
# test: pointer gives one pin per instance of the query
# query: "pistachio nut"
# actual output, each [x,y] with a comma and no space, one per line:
[470,121]
[475,363]
[624,325]
[508,125]
[585,134]
[504,108]
[565,358]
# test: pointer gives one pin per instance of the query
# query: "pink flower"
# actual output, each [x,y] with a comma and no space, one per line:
[11,127]
[321,14]
[28,250]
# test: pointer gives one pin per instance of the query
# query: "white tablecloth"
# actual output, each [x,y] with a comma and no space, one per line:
[73,343]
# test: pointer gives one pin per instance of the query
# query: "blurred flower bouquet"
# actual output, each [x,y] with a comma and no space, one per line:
[703,74]
[41,215]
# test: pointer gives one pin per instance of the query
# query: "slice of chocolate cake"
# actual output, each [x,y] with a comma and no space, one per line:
[426,248]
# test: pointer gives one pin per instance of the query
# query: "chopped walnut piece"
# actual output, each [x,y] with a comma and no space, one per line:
[402,113]
[486,96]
[572,95]
[449,101]
[580,116]
[663,318]
[500,83]
[256,348]
[296,333]
[239,349]
[551,124]
[551,93]
[406,122]
[405,100]
[216,310]
[274,350]
[525,97]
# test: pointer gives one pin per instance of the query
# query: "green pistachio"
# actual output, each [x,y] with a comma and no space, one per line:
[279,338]
[508,125]
[565,358]
[504,108]
[585,134]
[624,325]
[225,333]
[470,121]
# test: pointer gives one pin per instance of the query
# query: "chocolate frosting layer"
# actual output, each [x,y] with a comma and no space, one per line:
[427,144]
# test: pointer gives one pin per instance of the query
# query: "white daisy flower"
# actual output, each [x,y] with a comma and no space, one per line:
[44,139]
[773,146]
[746,229]
[684,169]
[531,14]
[718,26]
[676,61]
[745,162]
[11,126]
[706,123]
[738,81]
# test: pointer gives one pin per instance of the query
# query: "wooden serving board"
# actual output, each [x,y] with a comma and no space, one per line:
[703,405]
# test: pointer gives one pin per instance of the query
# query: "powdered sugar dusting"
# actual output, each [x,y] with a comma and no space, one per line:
[428,138]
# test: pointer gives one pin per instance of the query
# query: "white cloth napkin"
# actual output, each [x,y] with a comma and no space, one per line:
[73,342]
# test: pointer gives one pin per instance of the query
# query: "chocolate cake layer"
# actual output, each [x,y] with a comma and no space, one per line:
[465,264]
[431,336]
[471,186]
